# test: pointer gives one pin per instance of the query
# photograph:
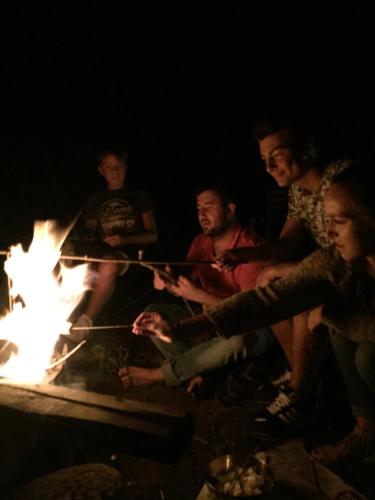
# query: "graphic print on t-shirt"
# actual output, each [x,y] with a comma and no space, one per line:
[116,216]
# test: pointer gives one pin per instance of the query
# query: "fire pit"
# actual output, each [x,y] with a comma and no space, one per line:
[44,294]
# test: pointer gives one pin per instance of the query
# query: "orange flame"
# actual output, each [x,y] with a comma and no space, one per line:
[49,292]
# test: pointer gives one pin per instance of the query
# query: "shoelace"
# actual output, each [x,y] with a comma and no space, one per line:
[281,401]
[284,377]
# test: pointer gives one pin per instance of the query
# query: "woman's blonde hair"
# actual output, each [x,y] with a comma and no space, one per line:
[356,181]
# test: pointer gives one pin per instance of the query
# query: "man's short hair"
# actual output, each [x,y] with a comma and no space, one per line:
[120,153]
[302,143]
[225,192]
[357,182]
[271,125]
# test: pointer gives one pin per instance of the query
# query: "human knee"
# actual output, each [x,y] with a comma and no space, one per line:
[236,346]
[237,341]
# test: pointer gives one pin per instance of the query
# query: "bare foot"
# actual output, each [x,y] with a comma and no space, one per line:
[195,384]
[136,376]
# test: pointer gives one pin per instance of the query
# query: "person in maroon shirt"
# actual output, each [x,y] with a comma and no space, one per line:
[204,285]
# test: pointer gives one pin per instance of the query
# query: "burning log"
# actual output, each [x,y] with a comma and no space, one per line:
[123,425]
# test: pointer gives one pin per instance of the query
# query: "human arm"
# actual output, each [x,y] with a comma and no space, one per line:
[307,287]
[198,282]
[314,281]
[285,248]
[189,290]
[90,227]
[90,219]
[274,272]
[150,324]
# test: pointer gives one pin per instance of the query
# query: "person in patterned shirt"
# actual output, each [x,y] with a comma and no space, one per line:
[291,158]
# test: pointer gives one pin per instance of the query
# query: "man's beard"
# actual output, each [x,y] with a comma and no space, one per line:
[215,232]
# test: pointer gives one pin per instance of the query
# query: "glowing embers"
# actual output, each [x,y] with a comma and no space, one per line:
[45,292]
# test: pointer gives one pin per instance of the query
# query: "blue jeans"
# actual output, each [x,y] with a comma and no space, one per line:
[184,361]
[357,364]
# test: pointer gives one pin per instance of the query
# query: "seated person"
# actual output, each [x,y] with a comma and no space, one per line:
[291,158]
[119,221]
[336,282]
[206,286]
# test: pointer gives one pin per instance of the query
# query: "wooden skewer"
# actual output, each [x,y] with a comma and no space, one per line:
[109,327]
[162,273]
[64,358]
[85,258]
[169,279]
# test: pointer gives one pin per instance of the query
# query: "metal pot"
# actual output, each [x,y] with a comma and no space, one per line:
[231,476]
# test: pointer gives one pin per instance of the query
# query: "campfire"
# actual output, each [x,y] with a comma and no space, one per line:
[43,294]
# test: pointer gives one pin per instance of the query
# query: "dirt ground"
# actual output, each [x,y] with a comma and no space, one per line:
[217,429]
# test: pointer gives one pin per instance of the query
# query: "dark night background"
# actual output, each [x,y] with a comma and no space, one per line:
[180,84]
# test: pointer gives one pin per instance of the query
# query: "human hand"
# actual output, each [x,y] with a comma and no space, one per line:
[114,241]
[226,261]
[159,282]
[161,279]
[152,324]
[185,288]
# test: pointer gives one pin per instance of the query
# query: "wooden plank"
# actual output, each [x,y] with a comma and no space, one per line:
[95,399]
[130,426]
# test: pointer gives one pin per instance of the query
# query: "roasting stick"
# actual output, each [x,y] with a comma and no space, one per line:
[73,223]
[162,273]
[85,258]
[168,278]
[64,358]
[105,327]
[152,265]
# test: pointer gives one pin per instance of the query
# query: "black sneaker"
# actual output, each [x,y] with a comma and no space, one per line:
[268,391]
[286,415]
[282,379]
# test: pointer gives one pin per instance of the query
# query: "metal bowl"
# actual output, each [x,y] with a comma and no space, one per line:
[232,476]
